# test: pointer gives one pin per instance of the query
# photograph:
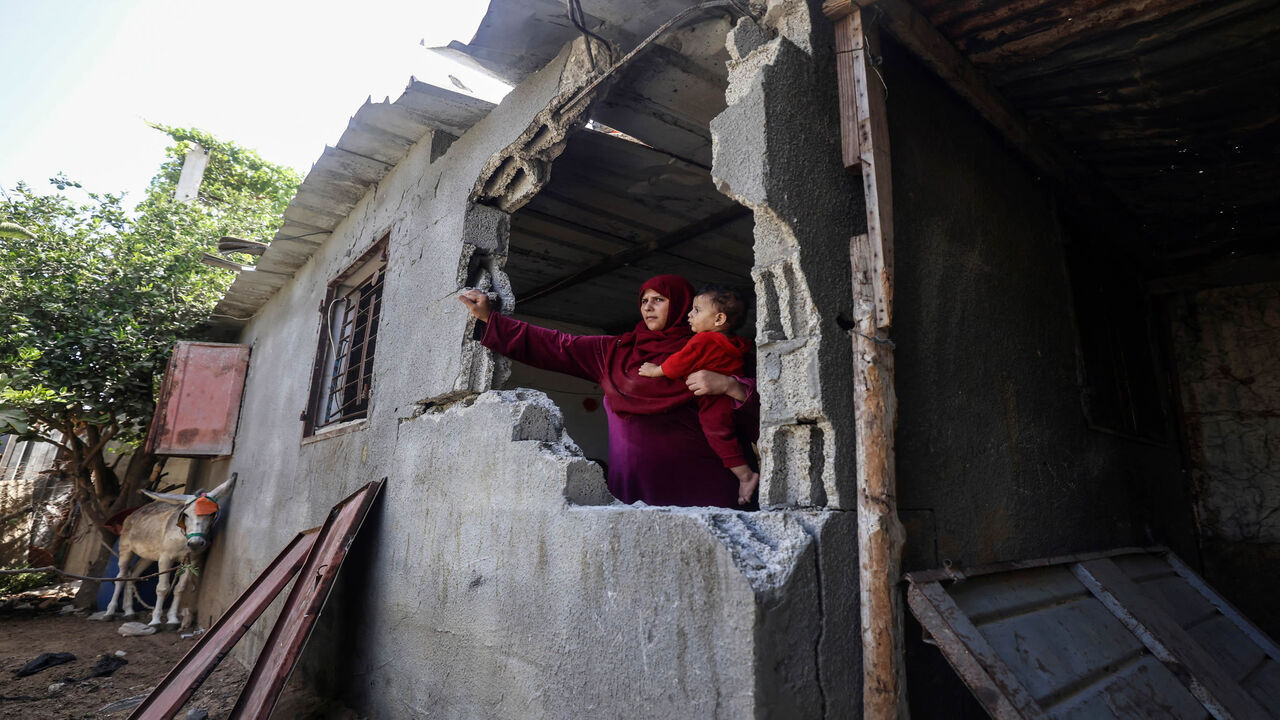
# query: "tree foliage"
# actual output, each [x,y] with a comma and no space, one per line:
[93,298]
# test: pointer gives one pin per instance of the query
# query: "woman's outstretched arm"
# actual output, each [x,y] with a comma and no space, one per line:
[578,355]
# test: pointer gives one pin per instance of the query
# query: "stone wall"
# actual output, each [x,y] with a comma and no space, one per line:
[1226,343]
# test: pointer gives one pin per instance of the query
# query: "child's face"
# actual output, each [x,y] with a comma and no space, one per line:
[704,317]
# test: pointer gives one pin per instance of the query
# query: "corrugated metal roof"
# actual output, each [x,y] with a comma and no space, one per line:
[1124,634]
[516,37]
[378,137]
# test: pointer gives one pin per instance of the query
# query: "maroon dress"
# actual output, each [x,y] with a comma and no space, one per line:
[662,459]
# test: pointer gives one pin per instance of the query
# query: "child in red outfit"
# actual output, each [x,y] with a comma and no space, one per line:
[716,313]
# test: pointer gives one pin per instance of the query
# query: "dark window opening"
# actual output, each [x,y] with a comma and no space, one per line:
[1121,391]
[343,374]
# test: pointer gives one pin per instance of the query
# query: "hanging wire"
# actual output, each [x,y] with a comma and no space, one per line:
[579,20]
[710,4]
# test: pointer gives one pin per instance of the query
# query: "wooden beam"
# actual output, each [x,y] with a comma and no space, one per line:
[880,533]
[1203,674]
[873,152]
[714,222]
[848,57]
[864,142]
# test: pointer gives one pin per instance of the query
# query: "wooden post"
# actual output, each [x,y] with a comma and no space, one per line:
[864,140]
[880,533]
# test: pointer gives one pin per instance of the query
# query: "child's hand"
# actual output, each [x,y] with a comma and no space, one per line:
[748,481]
[650,370]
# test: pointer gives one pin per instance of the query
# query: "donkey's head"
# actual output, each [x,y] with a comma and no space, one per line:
[196,516]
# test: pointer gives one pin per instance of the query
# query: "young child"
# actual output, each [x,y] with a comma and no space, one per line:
[717,312]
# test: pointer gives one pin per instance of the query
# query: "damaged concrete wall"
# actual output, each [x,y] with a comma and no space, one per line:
[580,401]
[493,579]
[776,151]
[501,586]
[1225,342]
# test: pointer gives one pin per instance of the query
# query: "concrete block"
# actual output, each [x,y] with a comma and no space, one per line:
[778,102]
[795,465]
[746,35]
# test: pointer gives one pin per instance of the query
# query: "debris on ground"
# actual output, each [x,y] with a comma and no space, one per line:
[136,629]
[25,635]
[43,661]
[126,704]
[107,664]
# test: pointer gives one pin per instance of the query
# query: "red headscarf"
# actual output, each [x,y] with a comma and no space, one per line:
[626,390]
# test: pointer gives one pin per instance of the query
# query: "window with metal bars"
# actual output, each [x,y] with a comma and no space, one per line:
[343,373]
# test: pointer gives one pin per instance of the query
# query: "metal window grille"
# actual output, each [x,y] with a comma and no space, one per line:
[349,339]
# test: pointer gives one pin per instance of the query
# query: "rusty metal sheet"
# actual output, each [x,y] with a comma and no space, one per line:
[302,607]
[199,403]
[190,672]
[1130,633]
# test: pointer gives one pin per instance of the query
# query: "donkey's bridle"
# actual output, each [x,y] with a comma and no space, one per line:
[182,522]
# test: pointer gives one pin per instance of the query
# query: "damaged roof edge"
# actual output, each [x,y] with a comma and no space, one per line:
[377,138]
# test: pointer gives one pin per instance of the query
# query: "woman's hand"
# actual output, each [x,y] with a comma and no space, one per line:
[706,382]
[478,303]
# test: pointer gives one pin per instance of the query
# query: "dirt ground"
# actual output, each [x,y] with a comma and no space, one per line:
[27,632]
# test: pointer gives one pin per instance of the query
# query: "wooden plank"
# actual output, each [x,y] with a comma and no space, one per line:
[848,55]
[880,533]
[915,32]
[1237,618]
[1206,680]
[967,651]
[1065,23]
[873,154]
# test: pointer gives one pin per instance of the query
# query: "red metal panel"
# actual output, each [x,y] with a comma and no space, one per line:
[319,553]
[302,607]
[199,401]
[190,672]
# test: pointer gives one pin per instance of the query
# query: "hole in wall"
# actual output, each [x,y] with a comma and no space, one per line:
[614,214]
[630,197]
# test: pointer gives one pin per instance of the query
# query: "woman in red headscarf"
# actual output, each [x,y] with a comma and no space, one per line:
[657,450]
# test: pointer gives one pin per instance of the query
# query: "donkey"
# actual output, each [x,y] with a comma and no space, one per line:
[160,532]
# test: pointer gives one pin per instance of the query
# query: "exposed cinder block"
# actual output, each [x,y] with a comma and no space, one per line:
[781,98]
[796,465]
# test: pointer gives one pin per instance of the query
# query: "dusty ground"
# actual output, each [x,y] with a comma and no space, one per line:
[26,633]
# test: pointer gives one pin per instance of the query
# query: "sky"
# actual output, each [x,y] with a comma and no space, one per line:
[80,79]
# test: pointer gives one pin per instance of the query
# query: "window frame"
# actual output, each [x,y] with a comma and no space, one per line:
[362,282]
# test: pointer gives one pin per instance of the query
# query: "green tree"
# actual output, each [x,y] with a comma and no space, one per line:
[93,298]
